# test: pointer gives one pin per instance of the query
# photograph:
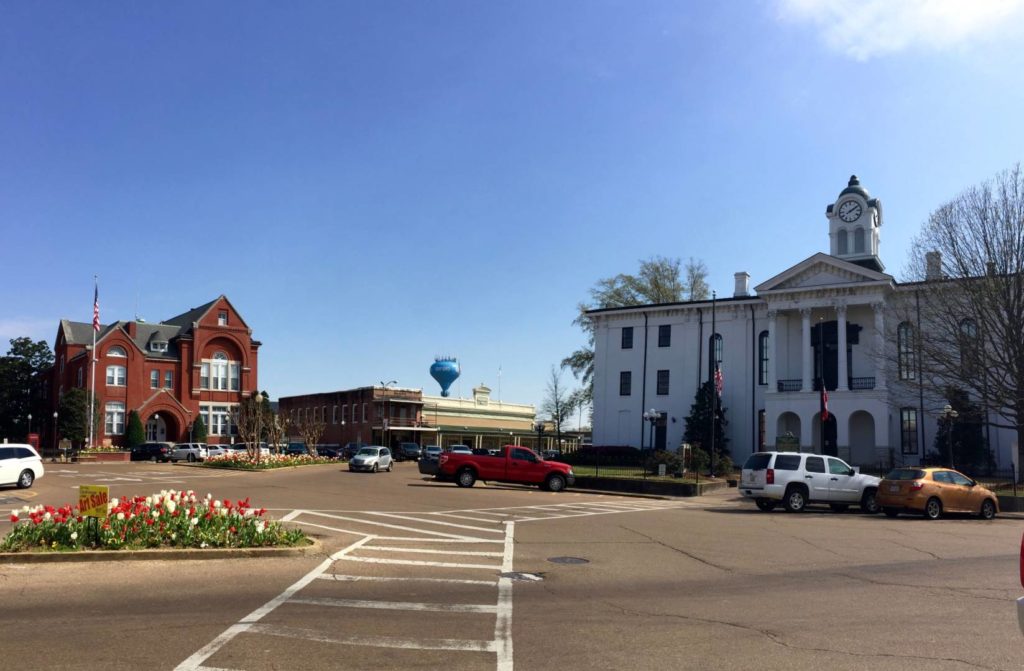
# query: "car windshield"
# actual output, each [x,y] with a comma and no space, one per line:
[368,451]
[905,474]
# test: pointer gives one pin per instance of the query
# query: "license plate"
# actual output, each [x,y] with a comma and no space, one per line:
[894,489]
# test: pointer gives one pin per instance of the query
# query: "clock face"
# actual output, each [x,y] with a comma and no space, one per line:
[849,211]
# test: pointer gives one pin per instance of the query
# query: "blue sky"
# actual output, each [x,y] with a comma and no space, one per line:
[374,184]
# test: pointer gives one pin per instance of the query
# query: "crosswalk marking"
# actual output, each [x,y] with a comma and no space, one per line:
[398,605]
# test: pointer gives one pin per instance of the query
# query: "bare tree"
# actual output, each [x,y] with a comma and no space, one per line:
[278,429]
[312,429]
[967,315]
[696,280]
[251,418]
[558,403]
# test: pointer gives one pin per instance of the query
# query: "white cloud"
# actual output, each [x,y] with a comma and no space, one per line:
[863,29]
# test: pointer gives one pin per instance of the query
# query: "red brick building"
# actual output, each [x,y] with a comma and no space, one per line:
[200,363]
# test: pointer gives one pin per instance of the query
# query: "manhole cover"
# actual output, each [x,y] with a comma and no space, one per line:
[568,560]
[523,577]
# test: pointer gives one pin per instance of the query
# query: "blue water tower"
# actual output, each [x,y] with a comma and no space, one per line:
[445,370]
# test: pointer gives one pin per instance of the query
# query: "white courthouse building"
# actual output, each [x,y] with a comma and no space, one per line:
[825,318]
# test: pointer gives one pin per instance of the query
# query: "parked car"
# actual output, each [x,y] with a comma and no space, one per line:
[408,451]
[215,451]
[515,464]
[296,448]
[350,449]
[794,479]
[934,491]
[152,452]
[329,451]
[1020,600]
[431,452]
[243,448]
[189,452]
[20,465]
[460,449]
[371,458]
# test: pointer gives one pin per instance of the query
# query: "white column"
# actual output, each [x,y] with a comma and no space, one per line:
[844,382]
[805,330]
[772,354]
[879,309]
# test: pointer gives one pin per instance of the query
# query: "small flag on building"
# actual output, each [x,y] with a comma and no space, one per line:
[824,403]
[96,308]
[718,379]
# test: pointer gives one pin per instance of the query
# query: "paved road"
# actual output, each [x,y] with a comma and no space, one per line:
[423,576]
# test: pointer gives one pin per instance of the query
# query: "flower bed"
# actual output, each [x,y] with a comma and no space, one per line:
[166,520]
[266,462]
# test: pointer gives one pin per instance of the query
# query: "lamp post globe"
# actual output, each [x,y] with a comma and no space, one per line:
[950,414]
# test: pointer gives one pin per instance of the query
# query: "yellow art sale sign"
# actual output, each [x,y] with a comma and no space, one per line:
[92,500]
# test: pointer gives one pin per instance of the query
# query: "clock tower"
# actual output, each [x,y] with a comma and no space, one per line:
[853,223]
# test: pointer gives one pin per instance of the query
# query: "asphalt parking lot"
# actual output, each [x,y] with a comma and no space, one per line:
[420,575]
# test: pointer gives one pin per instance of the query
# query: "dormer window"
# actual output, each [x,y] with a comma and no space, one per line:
[158,346]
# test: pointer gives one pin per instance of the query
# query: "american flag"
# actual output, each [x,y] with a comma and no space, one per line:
[824,403]
[96,309]
[718,380]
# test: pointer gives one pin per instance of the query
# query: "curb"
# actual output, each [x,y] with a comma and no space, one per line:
[143,555]
[245,470]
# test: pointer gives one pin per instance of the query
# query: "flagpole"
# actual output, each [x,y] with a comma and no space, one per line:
[714,390]
[92,359]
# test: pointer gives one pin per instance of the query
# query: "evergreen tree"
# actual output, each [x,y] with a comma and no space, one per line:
[73,416]
[135,434]
[699,423]
[199,430]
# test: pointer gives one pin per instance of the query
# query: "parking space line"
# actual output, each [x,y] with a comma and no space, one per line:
[430,521]
[382,524]
[465,517]
[376,641]
[398,605]
[382,548]
[341,577]
[416,562]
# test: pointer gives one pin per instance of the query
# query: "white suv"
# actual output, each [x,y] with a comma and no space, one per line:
[797,479]
[189,452]
[19,464]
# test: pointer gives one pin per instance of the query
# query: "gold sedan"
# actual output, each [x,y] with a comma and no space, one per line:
[933,491]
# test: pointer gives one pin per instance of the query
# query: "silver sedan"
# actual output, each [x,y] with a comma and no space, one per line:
[371,458]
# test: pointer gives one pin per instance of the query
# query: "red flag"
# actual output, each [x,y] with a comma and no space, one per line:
[718,380]
[96,309]
[824,404]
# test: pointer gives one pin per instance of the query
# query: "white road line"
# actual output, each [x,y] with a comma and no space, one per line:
[438,540]
[503,623]
[398,605]
[447,524]
[467,517]
[291,516]
[414,562]
[194,662]
[339,577]
[344,531]
[382,548]
[359,520]
[376,641]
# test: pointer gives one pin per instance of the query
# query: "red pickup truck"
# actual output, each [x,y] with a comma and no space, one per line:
[511,464]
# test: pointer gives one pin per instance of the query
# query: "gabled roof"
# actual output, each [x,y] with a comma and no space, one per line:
[186,319]
[822,270]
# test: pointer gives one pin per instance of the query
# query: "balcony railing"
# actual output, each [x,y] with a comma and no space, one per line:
[856,384]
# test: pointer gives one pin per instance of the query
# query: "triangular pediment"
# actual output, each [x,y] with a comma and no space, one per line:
[822,270]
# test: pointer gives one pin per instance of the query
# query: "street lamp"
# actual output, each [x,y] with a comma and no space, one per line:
[539,428]
[55,432]
[30,423]
[651,416]
[950,414]
[156,427]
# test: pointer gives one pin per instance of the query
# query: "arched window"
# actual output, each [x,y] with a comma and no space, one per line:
[906,352]
[843,239]
[762,358]
[116,350]
[714,353]
[968,345]
[858,241]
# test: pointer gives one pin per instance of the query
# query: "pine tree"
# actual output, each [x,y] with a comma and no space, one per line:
[135,434]
[199,430]
[698,423]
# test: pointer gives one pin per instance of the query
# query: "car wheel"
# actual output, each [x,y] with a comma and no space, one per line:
[933,509]
[376,467]
[26,479]
[153,459]
[838,507]
[869,502]
[351,470]
[466,478]
[988,509]
[555,483]
[767,505]
[389,466]
[796,500]
[891,512]
[191,457]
